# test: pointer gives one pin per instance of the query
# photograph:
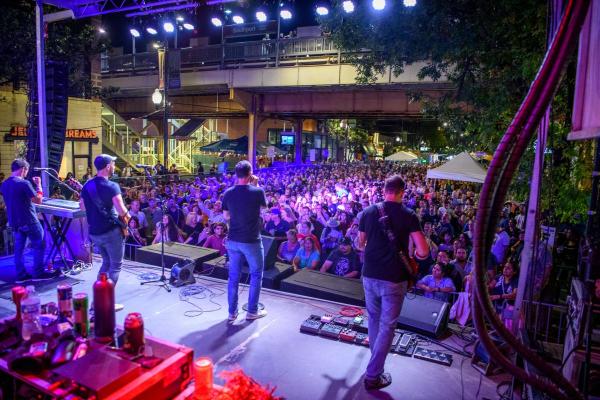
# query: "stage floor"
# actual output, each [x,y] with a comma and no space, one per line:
[271,350]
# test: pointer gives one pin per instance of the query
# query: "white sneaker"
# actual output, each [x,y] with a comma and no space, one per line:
[232,317]
[259,314]
[119,307]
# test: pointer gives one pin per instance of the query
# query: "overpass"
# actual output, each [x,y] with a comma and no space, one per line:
[287,79]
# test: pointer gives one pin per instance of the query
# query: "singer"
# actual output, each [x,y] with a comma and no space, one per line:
[107,217]
[19,196]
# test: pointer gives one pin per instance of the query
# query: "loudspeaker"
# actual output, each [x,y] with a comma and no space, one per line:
[182,273]
[424,315]
[57,101]
[270,247]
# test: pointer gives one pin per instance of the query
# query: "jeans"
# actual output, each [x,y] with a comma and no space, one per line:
[35,233]
[384,301]
[254,254]
[112,248]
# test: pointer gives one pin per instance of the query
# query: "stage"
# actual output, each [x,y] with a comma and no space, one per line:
[272,350]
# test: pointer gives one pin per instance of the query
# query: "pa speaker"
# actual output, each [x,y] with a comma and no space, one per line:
[424,315]
[182,273]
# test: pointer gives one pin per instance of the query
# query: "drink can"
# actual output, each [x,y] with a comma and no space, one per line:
[80,306]
[134,333]
[65,301]
[18,293]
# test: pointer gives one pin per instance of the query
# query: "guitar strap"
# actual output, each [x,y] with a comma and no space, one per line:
[384,221]
[95,198]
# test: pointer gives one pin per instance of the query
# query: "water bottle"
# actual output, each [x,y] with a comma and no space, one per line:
[30,310]
[104,309]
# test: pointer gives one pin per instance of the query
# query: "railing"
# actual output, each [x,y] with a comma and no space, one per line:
[231,53]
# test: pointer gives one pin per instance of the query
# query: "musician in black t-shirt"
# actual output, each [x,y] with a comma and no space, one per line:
[384,277]
[102,201]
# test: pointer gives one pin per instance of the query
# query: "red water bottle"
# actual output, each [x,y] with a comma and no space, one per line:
[104,309]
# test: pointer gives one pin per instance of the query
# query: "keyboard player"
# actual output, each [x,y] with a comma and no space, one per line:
[19,196]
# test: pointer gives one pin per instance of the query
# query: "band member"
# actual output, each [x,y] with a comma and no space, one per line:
[103,204]
[19,196]
[384,278]
[241,207]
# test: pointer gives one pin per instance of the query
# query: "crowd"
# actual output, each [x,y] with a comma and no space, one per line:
[314,213]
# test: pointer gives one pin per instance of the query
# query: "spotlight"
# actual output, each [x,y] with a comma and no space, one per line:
[322,11]
[378,4]
[168,27]
[348,6]
[227,11]
[410,3]
[151,30]
[157,97]
[101,30]
[188,26]
[261,16]
[180,18]
[216,22]
[285,14]
[134,32]
[397,138]
[156,45]
[238,19]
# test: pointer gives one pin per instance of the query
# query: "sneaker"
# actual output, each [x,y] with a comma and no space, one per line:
[382,381]
[232,317]
[259,314]
[23,279]
[46,276]
[119,307]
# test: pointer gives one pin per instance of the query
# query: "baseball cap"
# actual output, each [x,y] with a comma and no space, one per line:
[101,161]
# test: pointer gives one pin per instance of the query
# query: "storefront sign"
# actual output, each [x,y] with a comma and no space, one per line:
[250,29]
[19,132]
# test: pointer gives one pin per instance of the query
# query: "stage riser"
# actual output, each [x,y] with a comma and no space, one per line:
[325,286]
[175,252]
[272,277]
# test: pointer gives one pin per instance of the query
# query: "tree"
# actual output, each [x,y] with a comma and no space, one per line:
[73,41]
[490,51]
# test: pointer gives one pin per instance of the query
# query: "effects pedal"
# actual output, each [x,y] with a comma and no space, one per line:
[405,346]
[434,356]
[341,321]
[327,318]
[331,331]
[362,339]
[347,335]
[311,326]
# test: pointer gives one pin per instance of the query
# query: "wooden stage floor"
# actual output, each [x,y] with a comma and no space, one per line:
[271,350]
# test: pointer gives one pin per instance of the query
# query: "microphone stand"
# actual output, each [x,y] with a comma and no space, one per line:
[61,183]
[162,281]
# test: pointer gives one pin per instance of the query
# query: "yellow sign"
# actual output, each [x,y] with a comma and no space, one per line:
[21,131]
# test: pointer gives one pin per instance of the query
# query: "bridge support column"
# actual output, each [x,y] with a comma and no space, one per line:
[254,121]
[298,141]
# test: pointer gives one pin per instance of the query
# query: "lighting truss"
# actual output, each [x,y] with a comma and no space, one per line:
[92,8]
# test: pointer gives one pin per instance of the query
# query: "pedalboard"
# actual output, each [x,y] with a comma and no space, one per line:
[331,331]
[312,326]
[433,356]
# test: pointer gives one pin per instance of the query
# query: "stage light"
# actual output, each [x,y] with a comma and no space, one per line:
[157,97]
[216,22]
[180,18]
[285,14]
[322,11]
[261,16]
[410,3]
[134,32]
[378,4]
[188,26]
[156,45]
[237,19]
[397,138]
[227,11]
[151,30]
[348,6]
[168,27]
[101,30]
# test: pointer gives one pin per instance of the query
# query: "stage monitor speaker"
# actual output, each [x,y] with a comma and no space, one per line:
[423,315]
[270,247]
[182,273]
[57,101]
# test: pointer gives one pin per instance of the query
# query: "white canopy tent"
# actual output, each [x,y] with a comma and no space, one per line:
[402,156]
[461,168]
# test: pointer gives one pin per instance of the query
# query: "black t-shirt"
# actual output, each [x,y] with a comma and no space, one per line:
[343,264]
[243,203]
[17,193]
[100,220]
[381,262]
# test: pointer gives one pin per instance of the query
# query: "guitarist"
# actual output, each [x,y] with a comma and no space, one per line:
[107,215]
[385,275]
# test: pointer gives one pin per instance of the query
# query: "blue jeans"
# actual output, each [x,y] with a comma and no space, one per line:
[35,233]
[111,245]
[254,254]
[384,301]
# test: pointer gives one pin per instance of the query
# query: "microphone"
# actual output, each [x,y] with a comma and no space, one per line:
[41,169]
[143,166]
